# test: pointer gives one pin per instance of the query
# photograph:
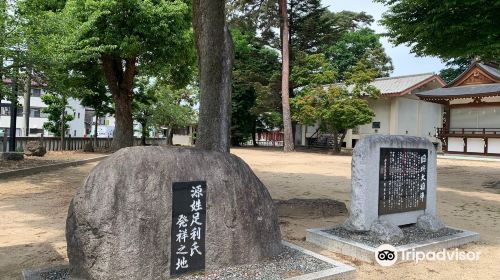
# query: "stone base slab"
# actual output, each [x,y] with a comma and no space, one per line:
[338,270]
[366,253]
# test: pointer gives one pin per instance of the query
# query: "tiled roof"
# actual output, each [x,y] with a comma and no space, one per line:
[402,84]
[462,91]
[491,70]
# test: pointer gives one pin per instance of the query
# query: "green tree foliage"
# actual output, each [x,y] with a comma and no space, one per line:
[324,48]
[174,109]
[56,110]
[126,39]
[143,106]
[342,37]
[255,87]
[447,29]
[311,24]
[337,108]
[312,69]
[454,68]
[158,106]
[362,44]
[87,84]
[4,47]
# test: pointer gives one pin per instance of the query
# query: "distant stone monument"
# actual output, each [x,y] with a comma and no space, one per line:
[156,212]
[393,183]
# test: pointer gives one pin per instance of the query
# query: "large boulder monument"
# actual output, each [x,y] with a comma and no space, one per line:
[156,212]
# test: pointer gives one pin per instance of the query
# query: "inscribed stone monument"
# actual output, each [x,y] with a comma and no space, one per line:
[125,221]
[393,180]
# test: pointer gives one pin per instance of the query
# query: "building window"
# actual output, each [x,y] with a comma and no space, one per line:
[36,92]
[5,110]
[35,113]
[36,131]
[78,115]
[74,133]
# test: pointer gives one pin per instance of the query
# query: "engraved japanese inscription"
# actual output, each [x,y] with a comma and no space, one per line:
[402,180]
[188,227]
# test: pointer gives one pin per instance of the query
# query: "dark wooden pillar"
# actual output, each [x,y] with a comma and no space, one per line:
[446,125]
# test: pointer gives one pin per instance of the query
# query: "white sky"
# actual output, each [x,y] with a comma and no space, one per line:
[405,63]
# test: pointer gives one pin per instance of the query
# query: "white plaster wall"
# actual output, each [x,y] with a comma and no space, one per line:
[455,144]
[475,145]
[77,125]
[430,118]
[382,109]
[494,146]
[184,140]
[408,117]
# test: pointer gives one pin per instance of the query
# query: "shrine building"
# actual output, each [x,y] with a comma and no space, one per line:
[471,111]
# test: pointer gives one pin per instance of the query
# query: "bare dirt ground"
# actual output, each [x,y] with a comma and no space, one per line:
[33,211]
[51,157]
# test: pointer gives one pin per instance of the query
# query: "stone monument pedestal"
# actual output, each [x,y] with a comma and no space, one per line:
[394,181]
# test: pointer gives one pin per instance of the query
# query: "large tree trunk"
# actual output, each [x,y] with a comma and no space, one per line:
[144,132]
[254,132]
[215,62]
[26,105]
[337,141]
[287,118]
[170,136]
[121,84]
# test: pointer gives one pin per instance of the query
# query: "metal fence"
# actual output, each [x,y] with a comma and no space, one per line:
[71,143]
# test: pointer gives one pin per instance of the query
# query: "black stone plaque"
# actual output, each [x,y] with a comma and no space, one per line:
[402,180]
[189,201]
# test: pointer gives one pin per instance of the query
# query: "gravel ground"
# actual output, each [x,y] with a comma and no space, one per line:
[60,274]
[412,235]
[288,264]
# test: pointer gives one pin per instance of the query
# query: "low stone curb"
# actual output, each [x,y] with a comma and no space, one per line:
[47,168]
[339,270]
[34,273]
[366,253]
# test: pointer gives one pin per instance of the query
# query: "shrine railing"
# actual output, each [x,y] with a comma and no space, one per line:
[469,132]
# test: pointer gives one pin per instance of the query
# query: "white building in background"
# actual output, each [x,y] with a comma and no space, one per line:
[398,111]
[106,125]
[471,104]
[38,118]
